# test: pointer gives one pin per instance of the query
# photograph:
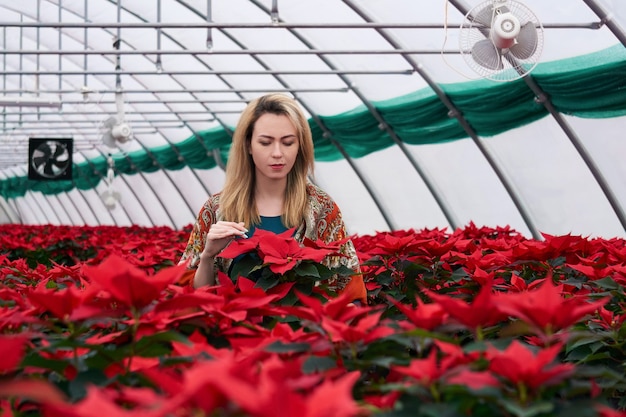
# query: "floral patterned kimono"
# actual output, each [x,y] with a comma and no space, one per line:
[323,222]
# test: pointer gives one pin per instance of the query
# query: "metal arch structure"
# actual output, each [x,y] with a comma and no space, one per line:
[327,133]
[545,100]
[258,70]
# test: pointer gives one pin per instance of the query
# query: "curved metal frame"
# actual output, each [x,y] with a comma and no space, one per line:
[343,75]
[543,99]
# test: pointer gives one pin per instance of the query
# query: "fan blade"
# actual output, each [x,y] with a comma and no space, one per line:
[109,140]
[487,55]
[43,151]
[526,42]
[483,17]
[49,169]
[39,160]
[109,123]
[58,152]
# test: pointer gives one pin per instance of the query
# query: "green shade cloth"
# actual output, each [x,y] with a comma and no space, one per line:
[590,86]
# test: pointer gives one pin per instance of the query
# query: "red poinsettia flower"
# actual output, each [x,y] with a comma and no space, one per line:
[393,244]
[519,365]
[383,401]
[128,284]
[473,379]
[365,330]
[240,246]
[37,390]
[61,303]
[425,371]
[481,312]
[610,320]
[424,316]
[546,309]
[283,253]
[280,251]
[12,348]
[337,308]
[272,388]
[592,269]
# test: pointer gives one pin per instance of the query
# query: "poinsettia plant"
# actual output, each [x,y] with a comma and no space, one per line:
[478,321]
[270,259]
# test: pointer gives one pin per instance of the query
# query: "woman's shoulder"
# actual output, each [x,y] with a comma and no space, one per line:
[213,200]
[316,193]
[320,201]
[211,204]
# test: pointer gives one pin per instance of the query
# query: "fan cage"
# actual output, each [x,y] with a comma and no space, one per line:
[473,31]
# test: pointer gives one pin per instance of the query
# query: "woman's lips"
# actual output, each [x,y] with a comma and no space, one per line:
[277,166]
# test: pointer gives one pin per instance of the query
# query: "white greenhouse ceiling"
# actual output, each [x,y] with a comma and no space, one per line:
[414,125]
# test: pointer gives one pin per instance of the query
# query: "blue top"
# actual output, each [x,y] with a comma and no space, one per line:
[272,224]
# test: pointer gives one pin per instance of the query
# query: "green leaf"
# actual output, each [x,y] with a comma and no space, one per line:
[318,364]
[534,409]
[305,287]
[307,269]
[77,387]
[267,282]
[606,283]
[168,336]
[34,359]
[280,347]
[244,266]
[584,341]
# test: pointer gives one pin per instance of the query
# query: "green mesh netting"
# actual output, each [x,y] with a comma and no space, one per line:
[591,86]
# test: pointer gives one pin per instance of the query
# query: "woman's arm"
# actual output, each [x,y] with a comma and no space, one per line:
[194,254]
[326,213]
[218,237]
[205,273]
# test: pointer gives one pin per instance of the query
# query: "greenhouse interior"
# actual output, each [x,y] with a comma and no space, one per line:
[474,148]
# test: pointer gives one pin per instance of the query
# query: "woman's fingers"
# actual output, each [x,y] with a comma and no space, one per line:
[223,229]
[221,234]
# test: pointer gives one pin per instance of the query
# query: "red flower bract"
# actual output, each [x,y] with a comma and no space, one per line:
[518,364]
[128,284]
[546,309]
[11,351]
[61,303]
[282,252]
[483,311]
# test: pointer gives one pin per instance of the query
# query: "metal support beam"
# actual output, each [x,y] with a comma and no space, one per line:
[234,52]
[88,123]
[263,25]
[607,19]
[191,91]
[213,72]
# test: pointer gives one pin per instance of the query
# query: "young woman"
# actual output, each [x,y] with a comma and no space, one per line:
[267,187]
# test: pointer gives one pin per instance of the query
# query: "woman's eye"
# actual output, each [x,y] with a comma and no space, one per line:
[288,143]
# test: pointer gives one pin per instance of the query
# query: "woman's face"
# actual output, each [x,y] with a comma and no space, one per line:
[274,146]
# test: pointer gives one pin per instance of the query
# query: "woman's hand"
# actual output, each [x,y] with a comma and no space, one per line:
[220,235]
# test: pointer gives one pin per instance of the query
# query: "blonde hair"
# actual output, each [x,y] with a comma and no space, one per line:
[237,201]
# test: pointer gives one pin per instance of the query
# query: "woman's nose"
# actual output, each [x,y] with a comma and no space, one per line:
[277,150]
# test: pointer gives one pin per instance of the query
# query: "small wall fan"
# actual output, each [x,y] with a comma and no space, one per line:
[50,159]
[501,39]
[115,129]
